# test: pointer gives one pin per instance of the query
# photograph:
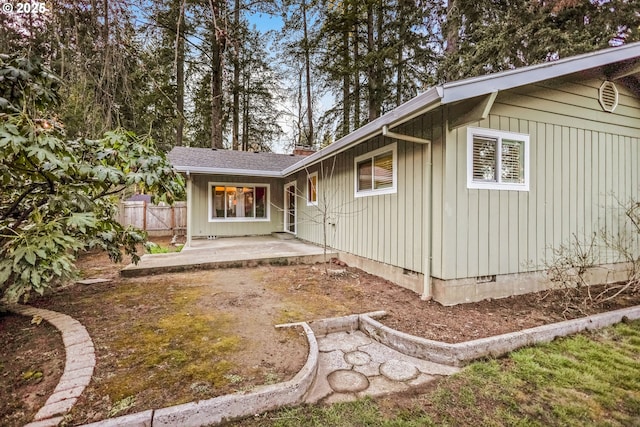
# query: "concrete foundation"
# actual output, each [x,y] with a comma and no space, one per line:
[458,291]
[410,280]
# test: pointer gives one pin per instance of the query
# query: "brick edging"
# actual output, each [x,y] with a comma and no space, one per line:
[79,364]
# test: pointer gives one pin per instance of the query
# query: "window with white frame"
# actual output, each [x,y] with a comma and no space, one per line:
[238,202]
[376,172]
[312,189]
[497,160]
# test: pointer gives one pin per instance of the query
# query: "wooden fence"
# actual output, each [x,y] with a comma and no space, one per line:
[156,220]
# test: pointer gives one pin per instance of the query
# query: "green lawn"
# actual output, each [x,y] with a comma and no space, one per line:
[585,380]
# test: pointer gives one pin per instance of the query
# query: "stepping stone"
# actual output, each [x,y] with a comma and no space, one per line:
[370,369]
[381,386]
[340,398]
[344,381]
[397,370]
[332,361]
[357,358]
[421,380]
[92,281]
[343,341]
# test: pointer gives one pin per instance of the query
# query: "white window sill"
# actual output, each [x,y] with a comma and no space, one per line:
[369,193]
[239,219]
[497,186]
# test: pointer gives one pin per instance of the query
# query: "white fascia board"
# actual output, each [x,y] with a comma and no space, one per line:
[222,171]
[401,114]
[469,88]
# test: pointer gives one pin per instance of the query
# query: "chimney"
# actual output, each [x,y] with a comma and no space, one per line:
[303,150]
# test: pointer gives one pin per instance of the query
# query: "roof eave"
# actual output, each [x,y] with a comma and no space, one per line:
[469,88]
[226,171]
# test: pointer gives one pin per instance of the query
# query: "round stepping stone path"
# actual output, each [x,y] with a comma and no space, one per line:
[357,358]
[397,370]
[344,381]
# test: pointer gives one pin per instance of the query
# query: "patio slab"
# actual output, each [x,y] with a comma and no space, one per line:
[229,252]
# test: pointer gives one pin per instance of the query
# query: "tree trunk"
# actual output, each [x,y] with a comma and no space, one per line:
[307,64]
[346,79]
[245,119]
[106,22]
[300,121]
[356,69]
[216,97]
[452,32]
[106,68]
[180,75]
[402,29]
[218,44]
[371,64]
[236,78]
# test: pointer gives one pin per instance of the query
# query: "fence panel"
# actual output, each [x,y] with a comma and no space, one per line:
[156,220]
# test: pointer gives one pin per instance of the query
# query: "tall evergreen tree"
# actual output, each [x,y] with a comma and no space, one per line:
[260,96]
[387,52]
[159,102]
[298,46]
[486,36]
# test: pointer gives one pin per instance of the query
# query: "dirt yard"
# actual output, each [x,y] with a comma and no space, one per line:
[174,338]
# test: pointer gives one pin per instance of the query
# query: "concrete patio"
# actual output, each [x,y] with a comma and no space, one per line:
[229,252]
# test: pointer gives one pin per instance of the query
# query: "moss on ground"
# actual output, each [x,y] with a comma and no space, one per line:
[303,300]
[172,344]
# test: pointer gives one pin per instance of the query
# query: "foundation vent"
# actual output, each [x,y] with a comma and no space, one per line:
[608,96]
[486,279]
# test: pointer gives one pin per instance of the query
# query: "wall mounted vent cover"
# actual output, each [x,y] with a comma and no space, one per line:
[608,96]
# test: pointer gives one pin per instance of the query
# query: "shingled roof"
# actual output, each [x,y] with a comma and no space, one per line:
[230,162]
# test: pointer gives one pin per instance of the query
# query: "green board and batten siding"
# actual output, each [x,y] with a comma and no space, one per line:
[200,200]
[387,228]
[582,160]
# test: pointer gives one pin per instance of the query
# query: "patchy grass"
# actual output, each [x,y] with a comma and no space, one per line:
[302,295]
[181,343]
[175,338]
[588,379]
[154,248]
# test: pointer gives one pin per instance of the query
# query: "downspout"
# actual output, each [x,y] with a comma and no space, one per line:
[427,293]
[189,209]
[426,206]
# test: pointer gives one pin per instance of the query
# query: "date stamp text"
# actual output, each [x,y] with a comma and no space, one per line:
[24,8]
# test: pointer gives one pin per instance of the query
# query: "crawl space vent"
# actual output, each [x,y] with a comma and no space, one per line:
[608,96]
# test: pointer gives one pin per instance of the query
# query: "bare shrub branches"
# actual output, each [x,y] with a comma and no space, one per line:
[573,264]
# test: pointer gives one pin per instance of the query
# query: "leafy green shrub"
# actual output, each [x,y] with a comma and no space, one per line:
[59,196]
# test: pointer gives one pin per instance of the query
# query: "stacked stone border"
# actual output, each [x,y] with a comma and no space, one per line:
[462,353]
[265,398]
[79,364]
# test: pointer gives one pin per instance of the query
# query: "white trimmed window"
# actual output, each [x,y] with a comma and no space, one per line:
[312,189]
[497,160]
[376,172]
[238,202]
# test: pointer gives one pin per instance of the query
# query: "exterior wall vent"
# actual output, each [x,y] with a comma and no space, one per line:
[608,96]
